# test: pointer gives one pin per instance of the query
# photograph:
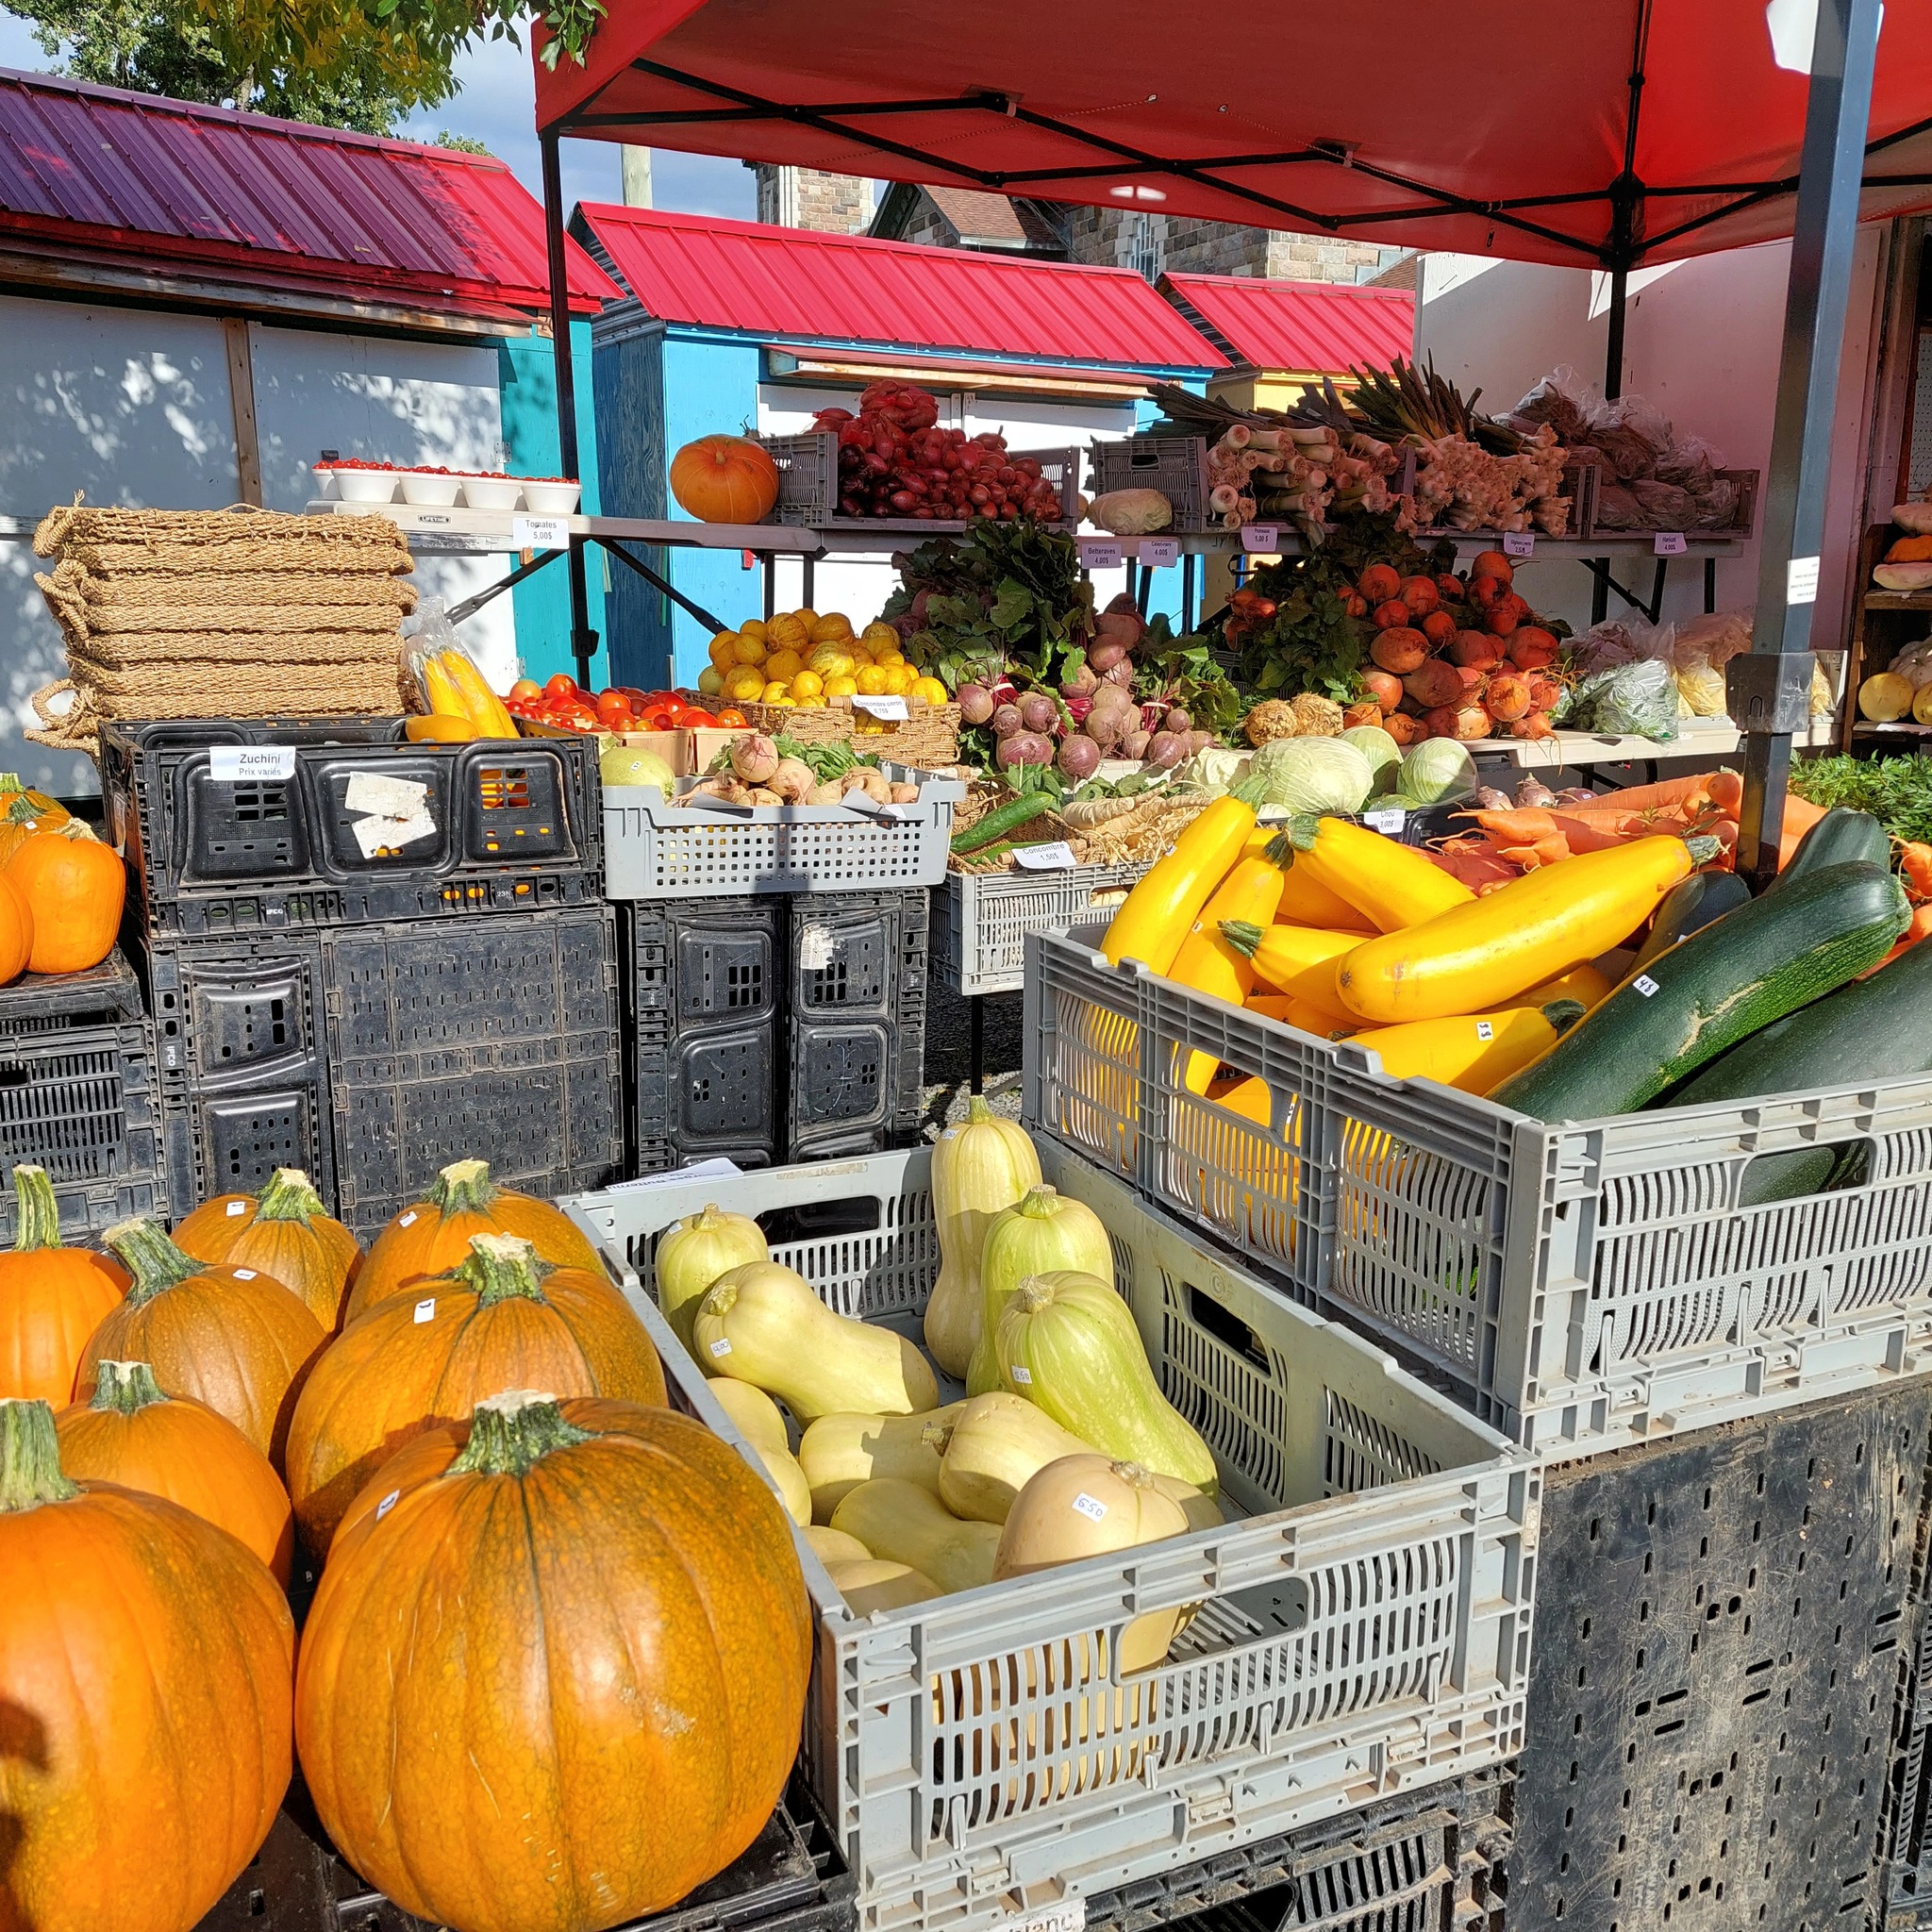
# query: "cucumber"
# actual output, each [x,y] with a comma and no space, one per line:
[1838,837]
[1690,906]
[1712,990]
[1874,1029]
[1001,823]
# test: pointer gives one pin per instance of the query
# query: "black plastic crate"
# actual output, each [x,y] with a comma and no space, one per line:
[374,1056]
[1907,1828]
[58,1002]
[492,827]
[789,1880]
[1423,1861]
[1724,1625]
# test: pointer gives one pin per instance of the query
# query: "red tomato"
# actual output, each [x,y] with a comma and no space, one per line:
[613,704]
[733,718]
[580,718]
[699,721]
[659,718]
[526,688]
[562,685]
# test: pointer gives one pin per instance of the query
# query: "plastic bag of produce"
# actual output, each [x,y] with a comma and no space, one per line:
[1637,700]
[1700,684]
[1914,664]
[1715,637]
[1621,640]
[1563,400]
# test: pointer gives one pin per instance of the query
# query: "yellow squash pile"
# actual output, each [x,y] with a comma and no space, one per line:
[805,657]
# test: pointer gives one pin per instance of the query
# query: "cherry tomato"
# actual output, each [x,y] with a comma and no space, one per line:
[733,718]
[526,688]
[561,684]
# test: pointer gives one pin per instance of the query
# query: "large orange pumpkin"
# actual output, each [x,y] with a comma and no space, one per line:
[590,1622]
[233,1338]
[146,1662]
[74,886]
[502,1318]
[16,932]
[724,480]
[169,1445]
[430,1237]
[284,1232]
[52,1298]
[25,811]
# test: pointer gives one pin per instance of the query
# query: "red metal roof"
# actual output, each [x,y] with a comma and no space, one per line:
[1311,325]
[819,288]
[160,183]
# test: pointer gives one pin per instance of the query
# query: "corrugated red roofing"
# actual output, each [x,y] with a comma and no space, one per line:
[1311,325]
[848,288]
[150,181]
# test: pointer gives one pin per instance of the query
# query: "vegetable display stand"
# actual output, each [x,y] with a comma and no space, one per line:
[658,851]
[789,1880]
[768,1028]
[982,919]
[1174,465]
[1581,1285]
[238,826]
[371,1057]
[809,487]
[1361,1632]
[1722,1624]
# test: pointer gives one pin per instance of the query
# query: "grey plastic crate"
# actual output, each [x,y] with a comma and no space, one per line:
[1174,465]
[808,466]
[1581,1285]
[655,850]
[982,919]
[1363,1630]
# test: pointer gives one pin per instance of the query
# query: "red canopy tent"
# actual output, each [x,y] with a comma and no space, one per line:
[1607,135]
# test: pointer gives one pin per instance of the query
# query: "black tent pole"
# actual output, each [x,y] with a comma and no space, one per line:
[583,640]
[1770,685]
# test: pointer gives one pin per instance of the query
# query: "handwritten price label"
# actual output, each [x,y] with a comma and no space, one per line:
[1667,543]
[1099,555]
[1519,544]
[539,533]
[1160,553]
[1261,539]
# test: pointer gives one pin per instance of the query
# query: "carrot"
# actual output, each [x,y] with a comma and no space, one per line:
[1583,835]
[1727,790]
[1915,861]
[1476,862]
[1920,928]
[1521,825]
[1550,851]
[1666,790]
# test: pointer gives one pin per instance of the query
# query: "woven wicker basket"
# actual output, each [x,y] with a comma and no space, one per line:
[930,737]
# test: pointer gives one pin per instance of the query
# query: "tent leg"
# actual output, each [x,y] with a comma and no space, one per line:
[1613,349]
[1770,685]
[583,640]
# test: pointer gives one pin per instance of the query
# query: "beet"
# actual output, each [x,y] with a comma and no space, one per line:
[1133,745]
[975,704]
[1433,683]
[1008,723]
[1105,724]
[1038,750]
[1039,712]
[1121,674]
[1165,750]
[1199,742]
[1082,683]
[1178,722]
[1104,655]
[1012,751]
[1079,757]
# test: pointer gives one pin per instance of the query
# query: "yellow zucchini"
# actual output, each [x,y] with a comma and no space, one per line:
[1155,917]
[1489,952]
[1207,963]
[1584,984]
[1389,885]
[1304,900]
[1473,1052]
[1303,1014]
[1296,959]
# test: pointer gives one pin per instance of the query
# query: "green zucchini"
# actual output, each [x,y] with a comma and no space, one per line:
[1839,837]
[1689,907]
[1874,1029]
[1001,823]
[1712,990]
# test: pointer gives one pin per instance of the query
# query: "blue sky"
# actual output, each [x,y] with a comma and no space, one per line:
[496,105]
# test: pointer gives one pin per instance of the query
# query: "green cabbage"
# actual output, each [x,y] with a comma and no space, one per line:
[1315,776]
[1439,771]
[1382,752]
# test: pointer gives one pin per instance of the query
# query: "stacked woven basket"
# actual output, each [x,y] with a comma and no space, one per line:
[220,614]
[928,736]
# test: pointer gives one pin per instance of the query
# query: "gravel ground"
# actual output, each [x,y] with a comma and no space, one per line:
[949,1052]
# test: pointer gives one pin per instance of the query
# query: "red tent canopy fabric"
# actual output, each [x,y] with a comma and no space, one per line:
[1495,127]
[1324,326]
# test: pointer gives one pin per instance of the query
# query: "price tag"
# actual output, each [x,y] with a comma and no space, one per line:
[539,533]
[426,1310]
[1261,539]
[1485,1029]
[1160,553]
[1667,543]
[887,705]
[1096,554]
[721,1347]
[1058,856]
[1801,580]
[1519,542]
[1022,1376]
[1068,1916]
[234,1208]
[387,1502]
[1388,818]
[250,764]
[1644,984]
[717,1168]
[1091,1508]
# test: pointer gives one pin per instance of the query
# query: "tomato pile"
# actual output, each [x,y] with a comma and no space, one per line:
[563,703]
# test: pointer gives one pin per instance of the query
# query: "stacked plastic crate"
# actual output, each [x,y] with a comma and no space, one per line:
[367,959]
[774,974]
[1728,1401]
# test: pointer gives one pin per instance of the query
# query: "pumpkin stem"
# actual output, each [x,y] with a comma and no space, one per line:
[69,829]
[1039,1204]
[125,1386]
[289,1196]
[1036,1291]
[150,1256]
[462,1187]
[977,1111]
[30,1458]
[501,1265]
[38,1225]
[1135,1475]
[511,1433]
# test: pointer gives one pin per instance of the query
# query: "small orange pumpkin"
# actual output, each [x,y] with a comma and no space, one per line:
[52,1298]
[724,480]
[25,811]
[1910,550]
[285,1233]
[74,887]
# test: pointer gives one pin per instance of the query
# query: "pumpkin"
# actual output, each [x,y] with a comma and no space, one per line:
[589,1626]
[169,1445]
[978,1168]
[905,1523]
[52,1298]
[74,886]
[25,811]
[432,1236]
[144,1679]
[503,1318]
[1910,550]
[285,1233]
[724,480]
[1043,1231]
[16,932]
[1068,1344]
[232,1338]
[694,1253]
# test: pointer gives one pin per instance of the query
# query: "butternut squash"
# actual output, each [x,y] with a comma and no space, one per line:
[793,1491]
[902,1522]
[996,1444]
[1039,1233]
[753,1413]
[872,1585]
[762,1324]
[694,1253]
[834,1546]
[844,1449]
[1390,886]
[1155,916]
[979,1167]
[1202,1512]
[1489,952]
[1209,963]
[1068,1344]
